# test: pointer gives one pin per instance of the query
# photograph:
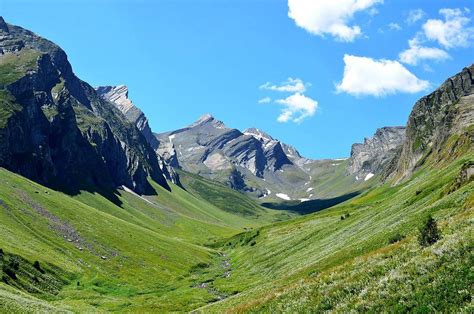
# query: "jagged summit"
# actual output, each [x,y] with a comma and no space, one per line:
[258,134]
[208,119]
[118,95]
[372,156]
[3,25]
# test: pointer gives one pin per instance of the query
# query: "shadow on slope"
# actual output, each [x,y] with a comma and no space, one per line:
[311,206]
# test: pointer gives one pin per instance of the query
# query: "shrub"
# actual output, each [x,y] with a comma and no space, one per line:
[396,238]
[14,264]
[10,272]
[429,233]
[37,266]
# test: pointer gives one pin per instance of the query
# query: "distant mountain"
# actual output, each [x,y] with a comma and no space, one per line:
[255,163]
[118,95]
[56,130]
[374,155]
[250,161]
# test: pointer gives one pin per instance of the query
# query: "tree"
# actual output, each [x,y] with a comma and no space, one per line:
[429,233]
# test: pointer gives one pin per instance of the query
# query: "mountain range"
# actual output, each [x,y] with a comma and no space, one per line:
[98,213]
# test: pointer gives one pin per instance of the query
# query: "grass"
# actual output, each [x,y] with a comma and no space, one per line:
[13,66]
[7,107]
[211,249]
[308,263]
[140,256]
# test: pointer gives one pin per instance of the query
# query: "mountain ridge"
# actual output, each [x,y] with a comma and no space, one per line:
[71,138]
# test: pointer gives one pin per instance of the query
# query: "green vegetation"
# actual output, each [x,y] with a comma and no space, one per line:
[321,262]
[429,233]
[177,250]
[13,66]
[225,198]
[139,256]
[7,107]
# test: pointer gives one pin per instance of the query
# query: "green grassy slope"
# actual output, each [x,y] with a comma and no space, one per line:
[323,262]
[228,199]
[146,254]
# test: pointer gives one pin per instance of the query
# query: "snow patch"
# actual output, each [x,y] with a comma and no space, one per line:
[304,200]
[171,137]
[283,196]
[368,176]
[132,192]
[309,189]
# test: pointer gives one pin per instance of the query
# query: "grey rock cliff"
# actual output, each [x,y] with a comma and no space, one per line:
[446,112]
[374,155]
[57,131]
[118,95]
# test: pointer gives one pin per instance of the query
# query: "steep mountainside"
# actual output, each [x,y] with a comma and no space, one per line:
[373,156]
[56,130]
[118,95]
[441,119]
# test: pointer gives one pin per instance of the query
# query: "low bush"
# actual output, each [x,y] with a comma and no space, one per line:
[429,233]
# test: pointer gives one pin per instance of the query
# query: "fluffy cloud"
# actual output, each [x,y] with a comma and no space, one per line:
[291,85]
[416,52]
[366,76]
[296,108]
[453,31]
[394,27]
[415,15]
[265,100]
[321,17]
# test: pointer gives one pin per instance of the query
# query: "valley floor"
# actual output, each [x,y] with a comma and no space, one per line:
[179,252]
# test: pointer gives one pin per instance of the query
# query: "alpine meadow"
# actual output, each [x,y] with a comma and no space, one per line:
[113,200]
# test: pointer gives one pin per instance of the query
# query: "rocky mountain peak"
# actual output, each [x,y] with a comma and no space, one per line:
[3,25]
[118,95]
[258,134]
[208,119]
[370,158]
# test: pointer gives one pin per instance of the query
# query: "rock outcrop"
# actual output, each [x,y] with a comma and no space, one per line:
[374,155]
[56,130]
[440,125]
[118,95]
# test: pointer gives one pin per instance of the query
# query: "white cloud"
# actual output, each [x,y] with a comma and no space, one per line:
[296,108]
[416,52]
[291,85]
[415,15]
[453,31]
[373,11]
[366,76]
[265,100]
[394,27]
[320,17]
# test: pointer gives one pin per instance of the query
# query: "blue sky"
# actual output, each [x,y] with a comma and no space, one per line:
[181,59]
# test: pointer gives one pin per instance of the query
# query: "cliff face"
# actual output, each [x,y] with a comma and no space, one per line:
[56,130]
[118,95]
[372,156]
[440,125]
